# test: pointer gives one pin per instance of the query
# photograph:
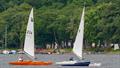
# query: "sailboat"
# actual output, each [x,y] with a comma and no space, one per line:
[78,47]
[29,46]
[116,46]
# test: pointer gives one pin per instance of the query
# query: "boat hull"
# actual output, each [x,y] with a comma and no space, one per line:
[78,64]
[30,63]
[74,63]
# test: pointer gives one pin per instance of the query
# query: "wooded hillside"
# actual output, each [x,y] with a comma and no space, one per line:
[58,20]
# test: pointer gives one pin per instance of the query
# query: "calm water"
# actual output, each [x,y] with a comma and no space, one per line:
[108,61]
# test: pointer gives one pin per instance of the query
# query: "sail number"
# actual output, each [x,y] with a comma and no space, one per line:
[29,32]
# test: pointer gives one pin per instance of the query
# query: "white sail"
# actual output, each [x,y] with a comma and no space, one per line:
[78,44]
[29,37]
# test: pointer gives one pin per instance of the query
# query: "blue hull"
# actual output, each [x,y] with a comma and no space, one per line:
[78,64]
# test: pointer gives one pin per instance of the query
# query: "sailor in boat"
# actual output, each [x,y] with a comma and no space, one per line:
[71,59]
[20,59]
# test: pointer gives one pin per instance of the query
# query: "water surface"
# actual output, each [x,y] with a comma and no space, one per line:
[107,60]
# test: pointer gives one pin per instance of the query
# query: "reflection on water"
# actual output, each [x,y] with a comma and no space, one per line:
[108,61]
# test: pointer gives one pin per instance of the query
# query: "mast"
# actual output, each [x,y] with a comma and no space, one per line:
[6,36]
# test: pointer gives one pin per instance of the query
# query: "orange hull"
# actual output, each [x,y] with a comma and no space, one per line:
[30,63]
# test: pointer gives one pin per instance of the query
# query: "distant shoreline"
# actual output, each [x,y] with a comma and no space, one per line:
[69,50]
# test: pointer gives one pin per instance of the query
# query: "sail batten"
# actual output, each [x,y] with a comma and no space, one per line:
[29,37]
[78,44]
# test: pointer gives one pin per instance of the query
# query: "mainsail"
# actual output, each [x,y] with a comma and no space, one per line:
[78,44]
[29,37]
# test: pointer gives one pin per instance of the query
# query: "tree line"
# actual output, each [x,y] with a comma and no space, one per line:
[58,20]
